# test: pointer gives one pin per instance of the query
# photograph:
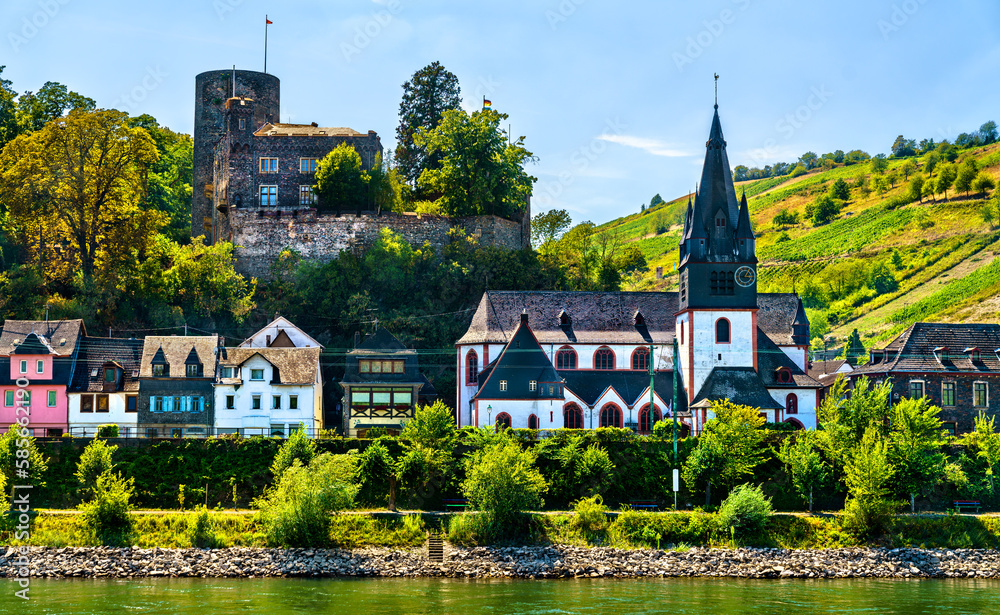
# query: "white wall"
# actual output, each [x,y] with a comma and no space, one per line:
[243,416]
[709,355]
[90,421]
[796,354]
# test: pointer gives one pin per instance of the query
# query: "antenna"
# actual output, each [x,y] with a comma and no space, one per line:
[234,81]
[716,90]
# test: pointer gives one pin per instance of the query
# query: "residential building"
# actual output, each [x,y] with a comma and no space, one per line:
[268,391]
[280,333]
[954,366]
[105,386]
[176,386]
[382,385]
[731,341]
[39,355]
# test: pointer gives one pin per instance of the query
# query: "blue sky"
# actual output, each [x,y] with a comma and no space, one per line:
[615,98]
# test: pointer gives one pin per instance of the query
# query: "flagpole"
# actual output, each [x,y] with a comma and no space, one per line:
[266,23]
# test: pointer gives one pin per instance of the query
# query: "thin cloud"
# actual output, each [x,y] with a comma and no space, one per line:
[650,146]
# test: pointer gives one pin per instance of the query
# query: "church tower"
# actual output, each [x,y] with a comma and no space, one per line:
[717,317]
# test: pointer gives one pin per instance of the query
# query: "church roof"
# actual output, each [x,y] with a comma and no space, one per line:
[716,190]
[520,362]
[744,229]
[770,359]
[740,385]
[589,385]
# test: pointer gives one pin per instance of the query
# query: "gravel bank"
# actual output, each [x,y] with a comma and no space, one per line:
[508,562]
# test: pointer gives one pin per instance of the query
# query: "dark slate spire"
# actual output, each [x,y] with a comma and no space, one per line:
[800,326]
[716,191]
[743,228]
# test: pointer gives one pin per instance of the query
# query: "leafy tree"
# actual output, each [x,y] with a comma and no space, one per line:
[855,156]
[927,145]
[375,472]
[296,512]
[94,462]
[824,209]
[967,172]
[785,218]
[840,190]
[385,186]
[297,447]
[8,111]
[52,101]
[986,441]
[480,173]
[965,140]
[892,177]
[946,177]
[745,511]
[738,431]
[915,446]
[947,151]
[80,181]
[854,350]
[882,280]
[804,463]
[809,160]
[11,461]
[432,426]
[880,184]
[844,420]
[879,163]
[430,92]
[583,470]
[549,225]
[908,168]
[703,467]
[108,514]
[915,191]
[904,147]
[341,183]
[798,170]
[931,160]
[988,132]
[169,179]
[502,481]
[656,200]
[983,182]
[868,474]
[741,173]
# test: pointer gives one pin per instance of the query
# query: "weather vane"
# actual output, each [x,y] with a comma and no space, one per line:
[716,90]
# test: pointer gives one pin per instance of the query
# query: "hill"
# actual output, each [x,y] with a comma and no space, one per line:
[879,264]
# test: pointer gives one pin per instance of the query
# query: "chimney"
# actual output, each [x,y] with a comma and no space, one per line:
[268,341]
[659,273]
[357,339]
[524,318]
[314,125]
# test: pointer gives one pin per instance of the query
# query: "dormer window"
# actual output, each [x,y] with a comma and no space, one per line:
[191,370]
[941,352]
[110,374]
[973,353]
[159,370]
[784,375]
[639,319]
[564,319]
[720,221]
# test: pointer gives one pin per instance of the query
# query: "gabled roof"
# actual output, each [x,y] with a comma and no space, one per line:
[278,329]
[520,362]
[382,342]
[193,358]
[913,349]
[740,385]
[96,352]
[175,350]
[61,334]
[606,317]
[770,359]
[295,365]
[819,370]
[33,345]
[632,387]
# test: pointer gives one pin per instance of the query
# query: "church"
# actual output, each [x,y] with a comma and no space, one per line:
[582,360]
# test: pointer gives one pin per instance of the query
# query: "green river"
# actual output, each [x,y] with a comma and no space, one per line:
[392,596]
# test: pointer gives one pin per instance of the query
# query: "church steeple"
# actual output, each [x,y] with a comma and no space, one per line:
[718,237]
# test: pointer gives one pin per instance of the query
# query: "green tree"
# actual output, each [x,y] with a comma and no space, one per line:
[844,420]
[80,181]
[983,182]
[736,430]
[804,464]
[908,168]
[986,442]
[502,481]
[341,183]
[299,447]
[916,189]
[967,172]
[809,160]
[547,226]
[880,183]
[988,132]
[108,514]
[745,512]
[656,200]
[430,92]
[35,463]
[480,172]
[824,209]
[915,442]
[52,101]
[868,475]
[902,147]
[946,177]
[703,467]
[432,426]
[840,190]
[297,511]
[892,177]
[8,111]
[882,280]
[94,462]
[385,186]
[785,218]
[854,349]
[169,179]
[931,161]
[879,163]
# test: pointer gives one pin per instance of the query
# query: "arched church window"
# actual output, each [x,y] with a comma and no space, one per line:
[722,333]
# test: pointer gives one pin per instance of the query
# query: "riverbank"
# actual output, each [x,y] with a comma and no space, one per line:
[551,562]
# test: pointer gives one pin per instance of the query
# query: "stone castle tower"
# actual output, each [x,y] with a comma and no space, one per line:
[212,90]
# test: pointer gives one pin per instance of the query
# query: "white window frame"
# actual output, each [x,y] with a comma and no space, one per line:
[268,195]
[954,393]
[253,373]
[39,366]
[255,402]
[52,399]
[503,385]
[267,164]
[923,388]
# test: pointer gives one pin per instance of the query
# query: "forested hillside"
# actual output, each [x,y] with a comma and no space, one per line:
[871,243]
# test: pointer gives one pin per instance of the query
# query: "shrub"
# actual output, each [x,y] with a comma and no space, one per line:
[297,446]
[108,514]
[745,511]
[375,466]
[868,473]
[432,426]
[783,236]
[591,514]
[297,511]
[840,190]
[107,431]
[95,461]
[201,530]
[502,481]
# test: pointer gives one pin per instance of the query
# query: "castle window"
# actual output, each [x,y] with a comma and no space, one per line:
[611,416]
[503,421]
[268,165]
[268,196]
[472,368]
[604,358]
[243,124]
[306,195]
[307,165]
[566,358]
[640,359]
[722,333]
[572,417]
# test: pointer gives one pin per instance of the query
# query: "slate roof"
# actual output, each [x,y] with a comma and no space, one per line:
[305,130]
[33,345]
[521,361]
[740,385]
[382,342]
[95,352]
[606,317]
[716,190]
[589,385]
[770,359]
[295,365]
[61,334]
[916,349]
[826,371]
[176,349]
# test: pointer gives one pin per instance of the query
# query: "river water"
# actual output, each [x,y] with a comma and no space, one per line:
[392,596]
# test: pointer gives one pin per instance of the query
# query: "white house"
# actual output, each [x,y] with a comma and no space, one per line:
[105,386]
[280,333]
[268,391]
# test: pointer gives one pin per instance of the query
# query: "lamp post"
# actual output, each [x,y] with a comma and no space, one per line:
[489,415]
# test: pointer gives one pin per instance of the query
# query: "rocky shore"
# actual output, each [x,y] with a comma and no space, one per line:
[505,562]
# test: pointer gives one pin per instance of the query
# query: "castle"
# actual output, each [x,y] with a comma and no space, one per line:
[253,182]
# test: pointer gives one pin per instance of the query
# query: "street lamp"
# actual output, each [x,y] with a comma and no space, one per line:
[489,415]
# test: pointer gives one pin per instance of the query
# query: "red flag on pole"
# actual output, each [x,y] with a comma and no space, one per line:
[269,22]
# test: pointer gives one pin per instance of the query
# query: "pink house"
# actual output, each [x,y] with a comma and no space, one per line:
[37,373]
